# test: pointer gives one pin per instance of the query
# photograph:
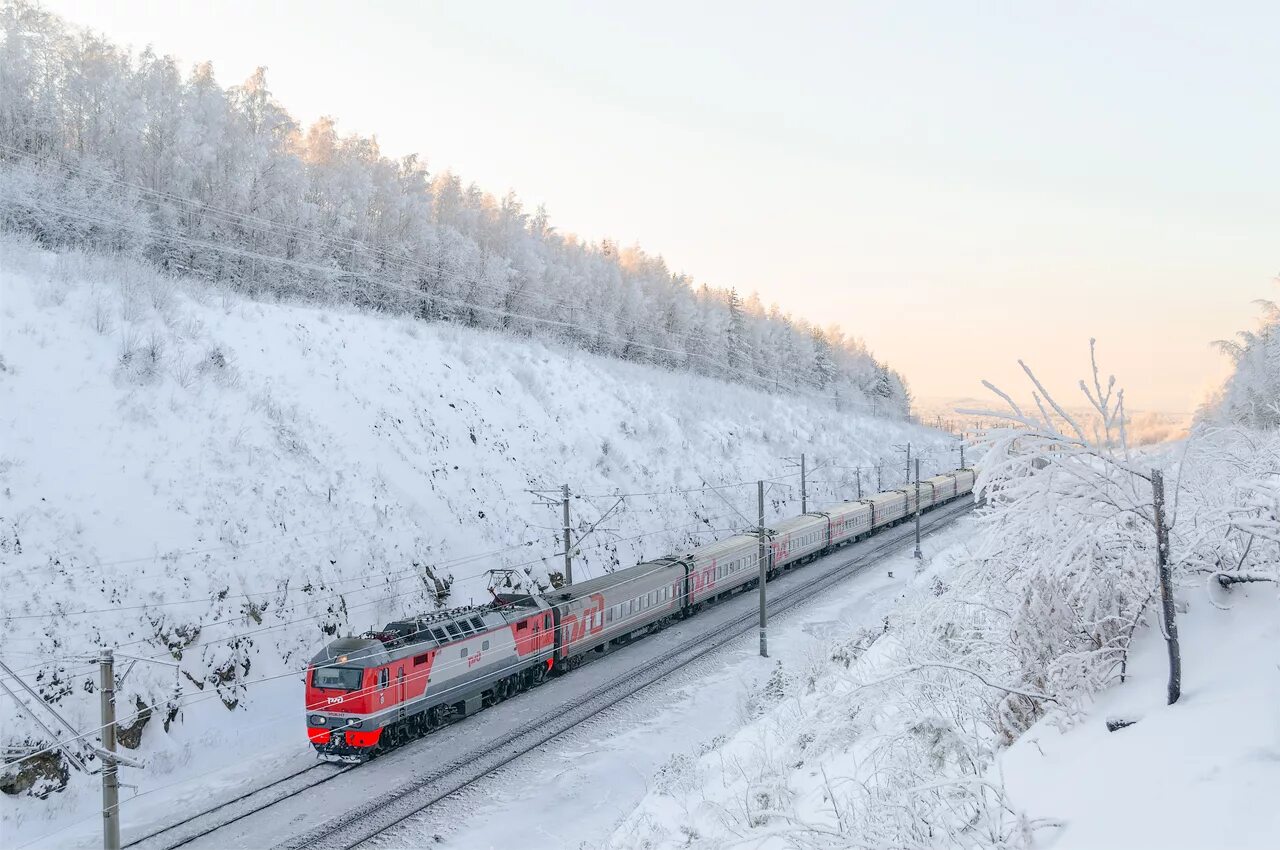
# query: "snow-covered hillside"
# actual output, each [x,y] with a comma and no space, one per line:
[190,475]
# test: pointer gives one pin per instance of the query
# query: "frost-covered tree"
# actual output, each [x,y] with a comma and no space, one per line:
[1252,395]
[1085,522]
[104,148]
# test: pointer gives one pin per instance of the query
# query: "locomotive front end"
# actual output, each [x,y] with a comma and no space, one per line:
[342,721]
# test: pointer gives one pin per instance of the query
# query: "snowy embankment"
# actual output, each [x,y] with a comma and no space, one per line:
[979,715]
[856,754]
[1202,773]
[189,475]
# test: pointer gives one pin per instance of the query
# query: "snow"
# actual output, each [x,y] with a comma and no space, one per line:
[782,778]
[578,789]
[1200,773]
[174,457]
[894,740]
[978,717]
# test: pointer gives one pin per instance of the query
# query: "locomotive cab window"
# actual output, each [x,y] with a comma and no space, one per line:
[546,621]
[336,678]
[384,677]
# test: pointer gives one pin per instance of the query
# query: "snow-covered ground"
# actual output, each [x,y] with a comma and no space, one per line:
[1202,773]
[576,791]
[189,475]
[782,778]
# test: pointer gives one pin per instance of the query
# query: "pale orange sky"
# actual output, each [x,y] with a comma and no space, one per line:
[958,187]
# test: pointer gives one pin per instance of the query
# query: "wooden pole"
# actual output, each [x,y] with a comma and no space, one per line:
[1166,588]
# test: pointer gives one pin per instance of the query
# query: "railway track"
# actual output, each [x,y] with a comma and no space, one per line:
[374,817]
[249,803]
[360,824]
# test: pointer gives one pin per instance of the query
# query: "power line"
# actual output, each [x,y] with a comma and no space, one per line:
[406,574]
[201,697]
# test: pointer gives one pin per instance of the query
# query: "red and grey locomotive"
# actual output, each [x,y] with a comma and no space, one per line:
[368,693]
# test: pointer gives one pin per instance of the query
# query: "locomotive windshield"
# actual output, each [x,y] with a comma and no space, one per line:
[337,678]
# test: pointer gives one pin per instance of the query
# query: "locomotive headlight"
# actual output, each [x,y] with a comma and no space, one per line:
[317,720]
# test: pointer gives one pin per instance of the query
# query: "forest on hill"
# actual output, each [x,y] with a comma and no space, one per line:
[105,148]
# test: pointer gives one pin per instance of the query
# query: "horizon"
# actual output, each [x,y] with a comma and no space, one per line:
[996,155]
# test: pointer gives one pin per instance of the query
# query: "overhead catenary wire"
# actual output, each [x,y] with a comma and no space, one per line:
[410,574]
[202,697]
[410,571]
[199,698]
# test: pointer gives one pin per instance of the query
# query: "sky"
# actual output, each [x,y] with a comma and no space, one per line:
[959,184]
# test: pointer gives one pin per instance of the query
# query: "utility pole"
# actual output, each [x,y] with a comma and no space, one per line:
[764,573]
[879,477]
[919,554]
[857,473]
[568,544]
[110,768]
[907,480]
[962,450]
[804,491]
[1166,587]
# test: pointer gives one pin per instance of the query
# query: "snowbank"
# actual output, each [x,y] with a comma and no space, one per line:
[1202,773]
[190,475]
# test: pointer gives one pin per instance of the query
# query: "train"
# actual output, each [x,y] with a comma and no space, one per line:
[368,694]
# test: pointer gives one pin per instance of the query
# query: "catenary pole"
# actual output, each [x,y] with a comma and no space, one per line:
[857,474]
[568,544]
[764,573]
[110,768]
[918,553]
[804,490]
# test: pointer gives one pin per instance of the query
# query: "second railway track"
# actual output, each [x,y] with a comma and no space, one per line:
[238,808]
